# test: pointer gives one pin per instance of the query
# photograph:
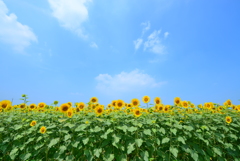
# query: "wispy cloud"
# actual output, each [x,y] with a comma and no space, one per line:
[125,82]
[166,34]
[146,25]
[70,14]
[153,43]
[93,45]
[13,32]
[137,43]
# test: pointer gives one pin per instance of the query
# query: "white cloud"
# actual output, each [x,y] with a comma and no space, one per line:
[137,43]
[125,82]
[153,44]
[93,45]
[146,27]
[166,34]
[71,14]
[13,32]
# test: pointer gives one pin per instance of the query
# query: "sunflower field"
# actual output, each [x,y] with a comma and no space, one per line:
[120,131]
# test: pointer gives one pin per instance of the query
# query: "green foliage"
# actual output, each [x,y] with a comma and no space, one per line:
[119,136]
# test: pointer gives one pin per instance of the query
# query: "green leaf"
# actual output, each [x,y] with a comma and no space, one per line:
[1,129]
[62,149]
[162,130]
[132,129]
[189,128]
[123,128]
[158,141]
[217,151]
[17,127]
[165,140]
[53,142]
[174,151]
[67,137]
[75,144]
[25,156]
[85,141]
[145,155]
[174,131]
[97,129]
[97,152]
[69,125]
[130,148]
[139,142]
[194,155]
[181,139]
[116,138]
[81,127]
[13,153]
[109,157]
[147,132]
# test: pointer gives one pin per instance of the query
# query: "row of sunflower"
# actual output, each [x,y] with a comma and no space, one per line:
[119,131]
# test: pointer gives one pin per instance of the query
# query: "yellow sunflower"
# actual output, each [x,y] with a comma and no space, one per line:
[23,106]
[70,113]
[114,103]
[41,105]
[81,106]
[70,104]
[228,119]
[184,104]
[146,99]
[135,102]
[43,129]
[99,110]
[120,104]
[33,123]
[137,112]
[177,101]
[64,107]
[229,102]
[32,106]
[94,100]
[5,103]
[157,100]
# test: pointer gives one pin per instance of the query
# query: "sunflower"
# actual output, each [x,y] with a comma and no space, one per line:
[160,107]
[120,104]
[166,108]
[177,101]
[94,100]
[228,119]
[32,106]
[81,106]
[129,105]
[229,102]
[157,100]
[114,103]
[70,104]
[137,112]
[135,102]
[23,106]
[41,105]
[64,107]
[5,103]
[146,99]
[109,105]
[199,106]
[70,113]
[33,123]
[43,129]
[184,104]
[99,110]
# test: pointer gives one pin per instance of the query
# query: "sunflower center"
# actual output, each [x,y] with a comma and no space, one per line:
[157,101]
[135,103]
[119,104]
[145,99]
[65,108]
[4,105]
[93,100]
[99,110]
[137,112]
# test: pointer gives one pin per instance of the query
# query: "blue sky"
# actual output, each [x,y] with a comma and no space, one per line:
[72,50]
